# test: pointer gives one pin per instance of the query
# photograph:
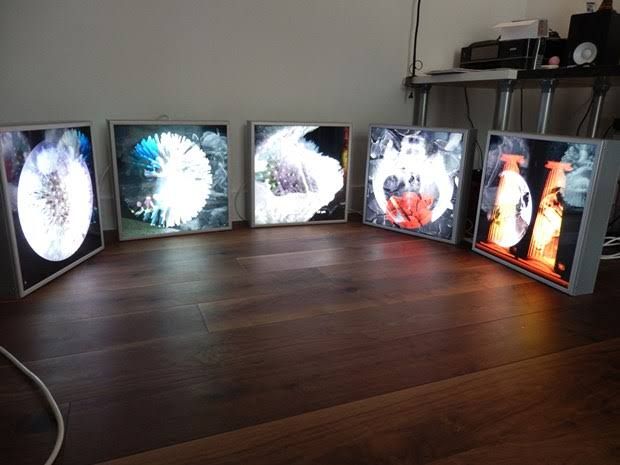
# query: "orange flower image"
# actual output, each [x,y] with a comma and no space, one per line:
[411,210]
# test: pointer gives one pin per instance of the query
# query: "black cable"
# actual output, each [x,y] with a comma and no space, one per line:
[467,107]
[521,110]
[415,39]
[471,121]
[616,217]
[585,115]
[609,128]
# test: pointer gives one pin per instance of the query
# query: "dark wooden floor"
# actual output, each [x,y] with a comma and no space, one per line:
[339,344]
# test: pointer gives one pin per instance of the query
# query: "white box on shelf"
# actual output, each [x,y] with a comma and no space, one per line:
[523,29]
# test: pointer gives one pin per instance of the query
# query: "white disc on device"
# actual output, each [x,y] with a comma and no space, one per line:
[585,53]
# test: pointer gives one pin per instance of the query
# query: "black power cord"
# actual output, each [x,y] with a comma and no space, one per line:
[521,110]
[609,128]
[471,121]
[585,115]
[414,64]
[467,107]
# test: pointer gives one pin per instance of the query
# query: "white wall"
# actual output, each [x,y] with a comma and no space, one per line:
[447,26]
[558,12]
[325,60]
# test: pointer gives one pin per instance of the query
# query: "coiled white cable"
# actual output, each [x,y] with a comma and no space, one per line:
[50,399]
[611,241]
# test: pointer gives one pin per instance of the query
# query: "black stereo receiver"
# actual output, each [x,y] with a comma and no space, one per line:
[516,54]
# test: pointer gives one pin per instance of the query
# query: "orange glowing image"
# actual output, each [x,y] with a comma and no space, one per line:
[532,203]
[512,211]
[548,225]
[410,210]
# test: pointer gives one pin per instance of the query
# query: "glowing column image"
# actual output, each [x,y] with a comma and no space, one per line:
[512,210]
[546,233]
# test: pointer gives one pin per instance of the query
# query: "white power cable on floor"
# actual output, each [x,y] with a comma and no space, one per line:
[50,399]
[240,191]
[611,241]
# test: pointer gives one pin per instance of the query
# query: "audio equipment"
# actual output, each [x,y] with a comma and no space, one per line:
[585,53]
[516,54]
[594,39]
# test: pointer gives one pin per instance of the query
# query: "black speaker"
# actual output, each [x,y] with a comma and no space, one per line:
[594,38]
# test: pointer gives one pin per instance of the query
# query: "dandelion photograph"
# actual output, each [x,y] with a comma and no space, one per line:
[50,191]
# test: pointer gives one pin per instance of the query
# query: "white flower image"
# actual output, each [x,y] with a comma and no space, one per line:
[55,197]
[293,180]
[183,176]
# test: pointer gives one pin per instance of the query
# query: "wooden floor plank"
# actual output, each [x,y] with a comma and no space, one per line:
[415,248]
[27,426]
[37,342]
[237,388]
[300,320]
[261,241]
[188,354]
[247,311]
[510,415]
[62,307]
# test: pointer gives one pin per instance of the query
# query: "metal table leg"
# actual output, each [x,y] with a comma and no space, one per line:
[420,110]
[547,91]
[601,86]
[505,89]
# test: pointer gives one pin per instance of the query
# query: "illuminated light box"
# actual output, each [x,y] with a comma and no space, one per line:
[299,173]
[49,205]
[544,206]
[417,180]
[171,177]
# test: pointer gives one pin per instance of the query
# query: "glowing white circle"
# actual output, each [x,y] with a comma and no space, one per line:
[55,200]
